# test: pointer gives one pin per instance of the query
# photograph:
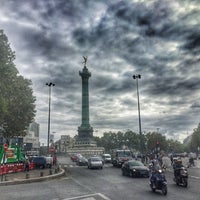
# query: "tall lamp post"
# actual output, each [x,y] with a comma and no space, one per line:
[136,77]
[50,84]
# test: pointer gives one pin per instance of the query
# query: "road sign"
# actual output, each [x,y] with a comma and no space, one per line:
[51,150]
[5,146]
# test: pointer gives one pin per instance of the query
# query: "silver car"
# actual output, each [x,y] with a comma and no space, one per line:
[95,162]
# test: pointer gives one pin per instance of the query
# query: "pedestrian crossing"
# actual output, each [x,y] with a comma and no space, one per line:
[77,166]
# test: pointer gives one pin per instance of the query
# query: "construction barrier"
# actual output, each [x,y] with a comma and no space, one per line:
[14,167]
[31,166]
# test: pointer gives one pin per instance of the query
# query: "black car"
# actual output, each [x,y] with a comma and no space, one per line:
[82,161]
[39,162]
[134,168]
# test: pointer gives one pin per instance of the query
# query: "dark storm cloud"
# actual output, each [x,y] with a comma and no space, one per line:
[158,39]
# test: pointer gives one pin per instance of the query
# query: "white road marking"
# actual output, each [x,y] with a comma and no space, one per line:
[89,197]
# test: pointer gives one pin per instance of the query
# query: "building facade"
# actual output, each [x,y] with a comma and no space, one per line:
[31,140]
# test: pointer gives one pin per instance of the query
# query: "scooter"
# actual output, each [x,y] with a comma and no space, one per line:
[182,177]
[159,182]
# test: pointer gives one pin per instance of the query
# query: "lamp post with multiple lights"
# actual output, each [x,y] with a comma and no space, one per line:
[136,77]
[50,84]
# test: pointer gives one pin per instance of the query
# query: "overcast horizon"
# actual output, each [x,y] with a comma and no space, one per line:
[159,39]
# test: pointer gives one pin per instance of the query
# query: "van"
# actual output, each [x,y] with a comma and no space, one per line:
[106,158]
[119,156]
[39,162]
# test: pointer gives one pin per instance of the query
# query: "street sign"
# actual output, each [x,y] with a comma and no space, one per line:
[51,150]
[5,146]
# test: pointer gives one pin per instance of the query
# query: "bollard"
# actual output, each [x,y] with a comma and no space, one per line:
[56,170]
[27,176]
[50,172]
[2,177]
[41,174]
[6,178]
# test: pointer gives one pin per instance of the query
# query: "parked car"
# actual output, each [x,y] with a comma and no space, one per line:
[39,162]
[106,158]
[134,168]
[74,157]
[95,162]
[82,161]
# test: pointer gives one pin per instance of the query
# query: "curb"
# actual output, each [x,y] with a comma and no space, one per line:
[31,180]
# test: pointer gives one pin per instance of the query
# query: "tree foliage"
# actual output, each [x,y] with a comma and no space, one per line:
[195,140]
[17,103]
[153,142]
[156,140]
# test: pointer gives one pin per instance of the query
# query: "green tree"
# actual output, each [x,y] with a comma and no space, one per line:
[111,140]
[17,103]
[156,140]
[195,140]
[175,146]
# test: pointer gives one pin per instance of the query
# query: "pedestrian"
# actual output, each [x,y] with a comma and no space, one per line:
[54,160]
[27,165]
[172,159]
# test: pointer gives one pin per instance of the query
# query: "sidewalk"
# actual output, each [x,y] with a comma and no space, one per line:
[31,176]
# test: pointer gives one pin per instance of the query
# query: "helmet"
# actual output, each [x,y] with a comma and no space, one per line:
[178,161]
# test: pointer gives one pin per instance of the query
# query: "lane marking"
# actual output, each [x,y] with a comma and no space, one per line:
[89,197]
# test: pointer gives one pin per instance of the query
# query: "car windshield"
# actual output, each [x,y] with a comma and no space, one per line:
[95,159]
[124,154]
[134,163]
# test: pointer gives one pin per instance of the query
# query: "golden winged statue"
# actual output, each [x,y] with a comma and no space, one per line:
[85,60]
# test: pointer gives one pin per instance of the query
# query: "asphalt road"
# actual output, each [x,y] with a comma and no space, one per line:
[96,184]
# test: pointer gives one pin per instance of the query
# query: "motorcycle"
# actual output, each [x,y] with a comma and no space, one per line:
[182,177]
[159,182]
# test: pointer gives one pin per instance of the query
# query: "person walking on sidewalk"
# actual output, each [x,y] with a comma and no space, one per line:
[27,165]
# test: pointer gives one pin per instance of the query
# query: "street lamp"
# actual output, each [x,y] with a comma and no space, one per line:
[138,76]
[49,85]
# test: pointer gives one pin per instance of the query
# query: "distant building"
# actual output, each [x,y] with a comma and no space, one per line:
[31,140]
[63,144]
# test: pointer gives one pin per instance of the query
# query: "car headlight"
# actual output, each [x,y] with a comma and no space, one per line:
[134,170]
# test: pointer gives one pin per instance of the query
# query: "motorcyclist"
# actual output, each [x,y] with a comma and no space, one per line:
[154,171]
[177,167]
[191,161]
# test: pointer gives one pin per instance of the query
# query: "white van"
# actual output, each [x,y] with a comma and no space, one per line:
[106,158]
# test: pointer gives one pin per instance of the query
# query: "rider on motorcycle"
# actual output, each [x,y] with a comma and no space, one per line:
[177,167]
[154,171]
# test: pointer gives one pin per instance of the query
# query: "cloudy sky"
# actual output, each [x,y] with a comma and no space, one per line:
[159,39]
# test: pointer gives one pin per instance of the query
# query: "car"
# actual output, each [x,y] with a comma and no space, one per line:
[82,161]
[119,156]
[134,168]
[106,158]
[39,162]
[74,157]
[95,162]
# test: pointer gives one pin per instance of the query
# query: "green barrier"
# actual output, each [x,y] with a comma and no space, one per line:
[13,154]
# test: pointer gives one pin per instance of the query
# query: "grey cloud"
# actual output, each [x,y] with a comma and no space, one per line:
[121,38]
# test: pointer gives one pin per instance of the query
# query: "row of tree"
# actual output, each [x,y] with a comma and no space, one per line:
[17,103]
[152,142]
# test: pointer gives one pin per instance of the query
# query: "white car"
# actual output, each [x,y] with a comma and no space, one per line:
[106,158]
[95,162]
